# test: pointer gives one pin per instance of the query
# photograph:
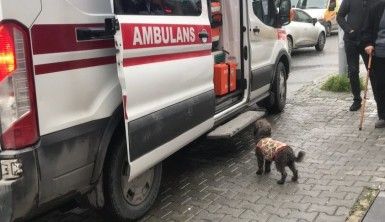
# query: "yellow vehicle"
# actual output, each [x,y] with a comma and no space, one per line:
[325,11]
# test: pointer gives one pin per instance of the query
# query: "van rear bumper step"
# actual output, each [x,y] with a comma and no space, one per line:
[236,125]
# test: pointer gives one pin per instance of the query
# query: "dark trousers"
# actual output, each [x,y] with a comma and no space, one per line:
[377,78]
[353,52]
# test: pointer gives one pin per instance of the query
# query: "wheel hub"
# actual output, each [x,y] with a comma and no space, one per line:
[137,190]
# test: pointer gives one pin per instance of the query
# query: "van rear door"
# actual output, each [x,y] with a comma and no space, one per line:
[165,69]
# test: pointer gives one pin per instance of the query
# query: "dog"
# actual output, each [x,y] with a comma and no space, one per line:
[268,150]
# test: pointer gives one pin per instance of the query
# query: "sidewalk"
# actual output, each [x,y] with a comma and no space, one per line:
[208,183]
[340,161]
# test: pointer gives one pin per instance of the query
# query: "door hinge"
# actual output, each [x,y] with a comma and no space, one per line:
[243,84]
[111,25]
[245,53]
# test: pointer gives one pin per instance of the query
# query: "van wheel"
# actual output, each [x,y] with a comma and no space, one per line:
[321,42]
[125,200]
[276,102]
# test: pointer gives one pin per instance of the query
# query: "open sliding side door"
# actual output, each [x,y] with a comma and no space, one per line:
[165,69]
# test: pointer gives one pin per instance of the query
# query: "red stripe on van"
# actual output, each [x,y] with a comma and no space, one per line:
[76,64]
[62,38]
[162,58]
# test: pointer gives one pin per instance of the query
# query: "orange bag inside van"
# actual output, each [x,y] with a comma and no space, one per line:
[221,79]
[232,76]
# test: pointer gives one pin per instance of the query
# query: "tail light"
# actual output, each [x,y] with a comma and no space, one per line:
[281,34]
[18,114]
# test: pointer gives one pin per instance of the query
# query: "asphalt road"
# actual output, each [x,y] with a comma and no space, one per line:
[308,65]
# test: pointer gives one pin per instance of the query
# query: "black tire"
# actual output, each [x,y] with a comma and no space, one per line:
[328,29]
[321,42]
[290,45]
[276,102]
[116,204]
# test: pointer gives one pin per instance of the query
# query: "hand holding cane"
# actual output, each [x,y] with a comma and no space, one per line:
[366,92]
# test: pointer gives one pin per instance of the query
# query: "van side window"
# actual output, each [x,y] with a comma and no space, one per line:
[158,7]
[265,10]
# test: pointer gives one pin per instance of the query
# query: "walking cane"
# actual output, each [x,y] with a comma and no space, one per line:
[366,93]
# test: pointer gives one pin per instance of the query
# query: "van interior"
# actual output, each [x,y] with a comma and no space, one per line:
[225,19]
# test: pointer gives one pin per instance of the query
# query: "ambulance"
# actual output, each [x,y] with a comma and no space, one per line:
[95,94]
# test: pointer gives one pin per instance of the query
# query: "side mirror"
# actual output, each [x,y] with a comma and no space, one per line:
[314,21]
[284,12]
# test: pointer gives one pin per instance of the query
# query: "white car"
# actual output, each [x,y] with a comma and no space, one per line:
[304,31]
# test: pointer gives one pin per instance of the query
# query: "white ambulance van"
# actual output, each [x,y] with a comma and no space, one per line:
[94,94]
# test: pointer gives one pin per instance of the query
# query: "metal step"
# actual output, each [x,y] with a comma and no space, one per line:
[235,125]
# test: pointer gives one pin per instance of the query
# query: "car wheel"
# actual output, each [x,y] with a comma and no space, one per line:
[276,102]
[289,45]
[124,200]
[328,29]
[321,42]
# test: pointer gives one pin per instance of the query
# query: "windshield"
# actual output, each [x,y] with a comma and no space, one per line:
[309,4]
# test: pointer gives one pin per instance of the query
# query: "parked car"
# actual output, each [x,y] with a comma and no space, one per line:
[325,11]
[304,31]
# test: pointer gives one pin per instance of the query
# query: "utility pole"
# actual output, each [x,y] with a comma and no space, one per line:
[342,63]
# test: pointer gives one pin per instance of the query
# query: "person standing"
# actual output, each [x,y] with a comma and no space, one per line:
[350,17]
[374,41]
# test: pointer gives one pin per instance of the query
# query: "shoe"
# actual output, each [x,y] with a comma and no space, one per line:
[380,124]
[355,106]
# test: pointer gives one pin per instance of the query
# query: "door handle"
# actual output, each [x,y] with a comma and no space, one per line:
[256,30]
[85,34]
[203,34]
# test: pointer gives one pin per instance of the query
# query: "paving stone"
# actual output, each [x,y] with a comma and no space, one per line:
[252,206]
[211,208]
[229,218]
[350,189]
[315,200]
[326,218]
[342,211]
[339,202]
[303,215]
[249,214]
[280,212]
[296,206]
[324,188]
[206,216]
[275,218]
[333,194]
[321,208]
[230,211]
